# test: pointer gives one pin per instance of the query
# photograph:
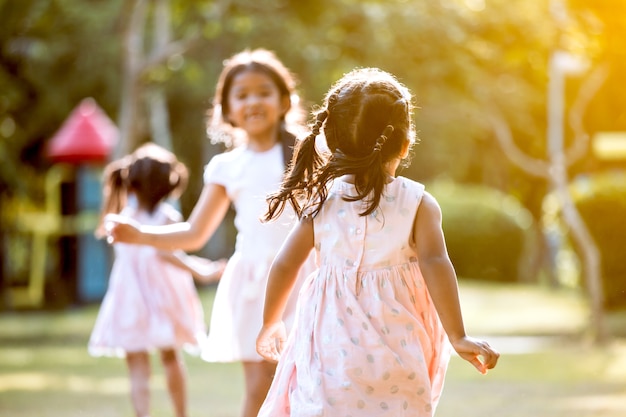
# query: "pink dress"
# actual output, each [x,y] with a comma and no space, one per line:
[248,177]
[367,340]
[149,304]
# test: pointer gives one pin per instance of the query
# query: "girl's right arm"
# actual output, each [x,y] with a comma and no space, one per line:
[441,281]
[282,277]
[206,216]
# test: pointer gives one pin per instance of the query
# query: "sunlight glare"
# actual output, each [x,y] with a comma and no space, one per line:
[597,403]
[35,381]
[475,5]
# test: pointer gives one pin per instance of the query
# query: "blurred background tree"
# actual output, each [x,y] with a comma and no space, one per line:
[463,59]
[455,55]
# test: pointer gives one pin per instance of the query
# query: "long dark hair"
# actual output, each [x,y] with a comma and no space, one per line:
[366,121]
[152,173]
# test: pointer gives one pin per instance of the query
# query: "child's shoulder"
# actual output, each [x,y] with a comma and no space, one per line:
[228,156]
[224,165]
[130,211]
[411,185]
[170,212]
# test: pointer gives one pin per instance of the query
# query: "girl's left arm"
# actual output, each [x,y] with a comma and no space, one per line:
[282,277]
[191,235]
[441,280]
[204,271]
[436,267]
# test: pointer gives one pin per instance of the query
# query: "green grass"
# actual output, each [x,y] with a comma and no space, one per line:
[547,368]
[45,371]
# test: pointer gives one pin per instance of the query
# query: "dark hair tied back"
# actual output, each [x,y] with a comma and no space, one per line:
[151,172]
[361,104]
[383,138]
[319,122]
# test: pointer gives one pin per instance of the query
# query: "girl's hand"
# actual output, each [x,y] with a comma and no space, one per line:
[206,271]
[121,229]
[271,341]
[476,352]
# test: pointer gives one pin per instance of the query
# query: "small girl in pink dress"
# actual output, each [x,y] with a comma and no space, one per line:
[151,302]
[375,322]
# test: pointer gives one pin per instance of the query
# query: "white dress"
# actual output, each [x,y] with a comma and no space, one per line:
[150,303]
[248,177]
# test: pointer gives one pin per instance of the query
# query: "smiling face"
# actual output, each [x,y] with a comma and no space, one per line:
[256,105]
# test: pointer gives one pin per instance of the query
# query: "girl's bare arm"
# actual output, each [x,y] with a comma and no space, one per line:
[204,271]
[282,277]
[206,216]
[441,281]
[284,270]
[436,266]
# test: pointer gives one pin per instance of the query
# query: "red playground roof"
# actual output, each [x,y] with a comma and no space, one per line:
[87,135]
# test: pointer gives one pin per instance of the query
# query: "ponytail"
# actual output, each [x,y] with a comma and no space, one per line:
[114,191]
[369,172]
[298,184]
[366,123]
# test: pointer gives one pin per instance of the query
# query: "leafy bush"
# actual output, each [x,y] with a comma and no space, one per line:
[487,232]
[601,201]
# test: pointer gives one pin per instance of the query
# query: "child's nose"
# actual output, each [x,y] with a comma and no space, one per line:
[254,99]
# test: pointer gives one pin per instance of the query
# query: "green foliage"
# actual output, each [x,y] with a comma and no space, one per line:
[461,58]
[601,201]
[488,233]
[52,55]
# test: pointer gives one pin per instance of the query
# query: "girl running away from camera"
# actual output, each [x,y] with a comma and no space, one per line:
[375,322]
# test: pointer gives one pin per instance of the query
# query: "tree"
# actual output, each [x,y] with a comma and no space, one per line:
[137,63]
[154,64]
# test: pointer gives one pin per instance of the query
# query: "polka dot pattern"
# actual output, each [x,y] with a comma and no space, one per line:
[367,340]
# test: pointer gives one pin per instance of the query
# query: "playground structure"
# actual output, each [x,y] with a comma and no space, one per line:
[50,247]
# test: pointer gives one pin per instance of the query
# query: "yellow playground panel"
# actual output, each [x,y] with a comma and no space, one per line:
[33,232]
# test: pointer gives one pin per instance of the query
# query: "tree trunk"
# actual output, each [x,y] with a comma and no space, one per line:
[570,215]
[131,89]
[157,100]
[555,170]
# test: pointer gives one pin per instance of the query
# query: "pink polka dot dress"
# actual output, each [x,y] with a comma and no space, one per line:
[367,340]
[150,304]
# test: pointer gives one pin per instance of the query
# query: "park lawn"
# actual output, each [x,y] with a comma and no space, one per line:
[548,367]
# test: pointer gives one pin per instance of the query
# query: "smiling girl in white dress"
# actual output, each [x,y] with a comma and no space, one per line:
[256,111]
